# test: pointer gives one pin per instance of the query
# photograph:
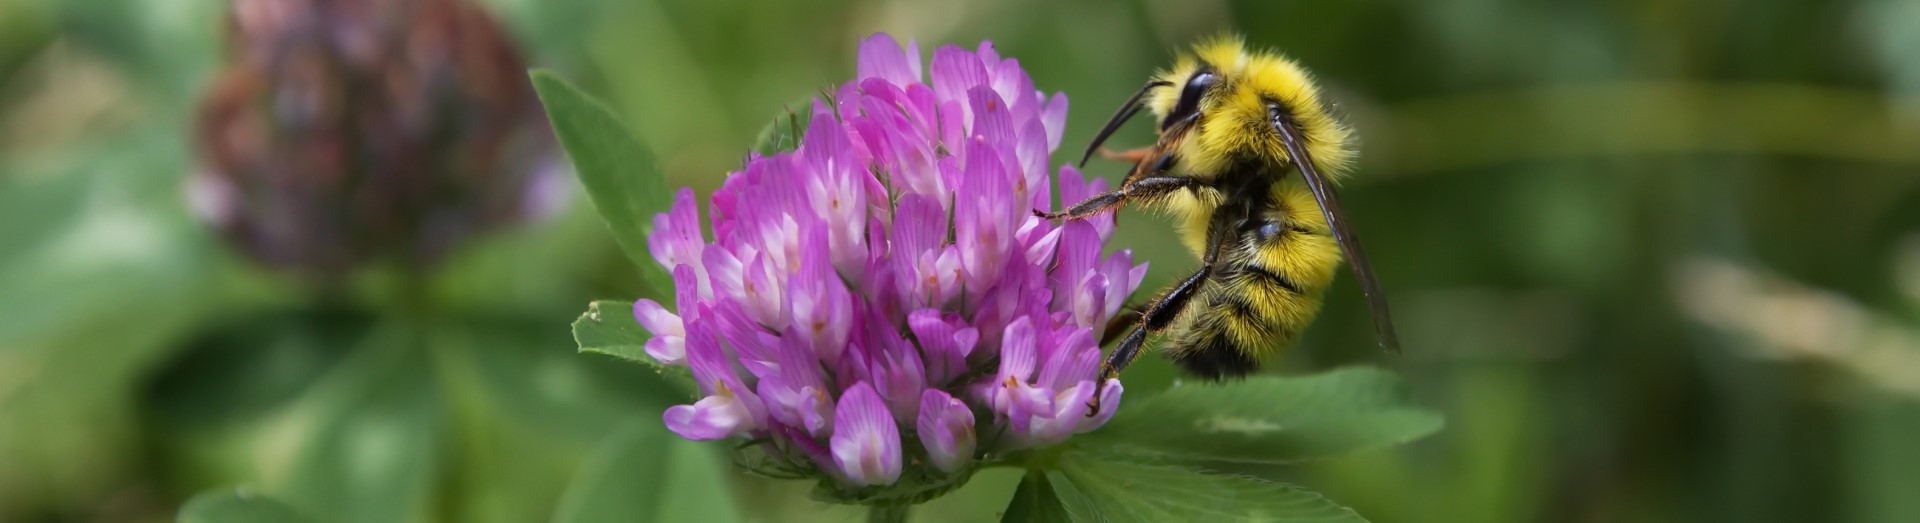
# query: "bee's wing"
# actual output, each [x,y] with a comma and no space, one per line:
[1323,192]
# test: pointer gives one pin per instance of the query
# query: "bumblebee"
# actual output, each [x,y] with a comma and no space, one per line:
[1233,126]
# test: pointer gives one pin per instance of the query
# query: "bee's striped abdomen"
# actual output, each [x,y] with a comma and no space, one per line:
[1267,288]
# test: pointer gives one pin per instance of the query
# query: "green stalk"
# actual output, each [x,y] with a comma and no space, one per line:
[889,513]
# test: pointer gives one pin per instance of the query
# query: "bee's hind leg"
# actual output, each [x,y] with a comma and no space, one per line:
[1156,316]
[1122,322]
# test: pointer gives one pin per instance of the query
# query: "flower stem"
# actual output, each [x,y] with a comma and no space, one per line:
[889,513]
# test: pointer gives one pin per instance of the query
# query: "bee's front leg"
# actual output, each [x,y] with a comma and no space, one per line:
[1130,156]
[1144,188]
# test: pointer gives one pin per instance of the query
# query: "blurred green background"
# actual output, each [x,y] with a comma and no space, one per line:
[1655,260]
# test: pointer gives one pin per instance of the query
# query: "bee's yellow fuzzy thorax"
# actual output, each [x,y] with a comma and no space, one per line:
[1235,121]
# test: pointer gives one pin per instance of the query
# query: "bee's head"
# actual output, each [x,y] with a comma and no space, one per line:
[1240,98]
[1199,81]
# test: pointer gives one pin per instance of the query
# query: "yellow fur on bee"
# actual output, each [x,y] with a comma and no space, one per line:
[1309,259]
[1268,286]
[1237,122]
[1194,213]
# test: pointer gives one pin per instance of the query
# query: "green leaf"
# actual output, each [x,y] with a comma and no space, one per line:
[551,393]
[621,177]
[1269,420]
[368,435]
[85,224]
[528,416]
[238,506]
[1119,488]
[644,473]
[1036,501]
[1071,498]
[164,47]
[608,327]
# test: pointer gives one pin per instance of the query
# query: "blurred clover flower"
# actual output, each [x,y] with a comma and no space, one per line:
[346,130]
[879,306]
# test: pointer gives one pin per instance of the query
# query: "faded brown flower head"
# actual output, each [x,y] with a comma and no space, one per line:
[346,130]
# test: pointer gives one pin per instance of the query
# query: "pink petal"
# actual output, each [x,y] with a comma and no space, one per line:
[1079,251]
[992,118]
[881,57]
[1054,117]
[1070,407]
[1090,302]
[913,60]
[723,271]
[866,443]
[1032,155]
[1025,402]
[1015,88]
[676,236]
[763,293]
[901,380]
[657,320]
[688,288]
[946,427]
[1019,353]
[955,71]
[1073,360]
[1109,404]
[754,347]
[668,350]
[988,54]
[922,107]
[919,226]
[954,122]
[713,417]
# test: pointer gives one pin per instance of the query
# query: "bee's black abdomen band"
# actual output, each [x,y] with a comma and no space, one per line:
[1216,359]
[1269,276]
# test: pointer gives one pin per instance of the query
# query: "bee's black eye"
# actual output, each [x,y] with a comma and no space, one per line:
[1190,97]
[1197,86]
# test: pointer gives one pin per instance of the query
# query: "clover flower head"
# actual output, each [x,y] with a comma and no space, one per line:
[320,151]
[880,306]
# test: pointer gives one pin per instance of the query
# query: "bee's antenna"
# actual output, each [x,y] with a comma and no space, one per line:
[1126,112]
